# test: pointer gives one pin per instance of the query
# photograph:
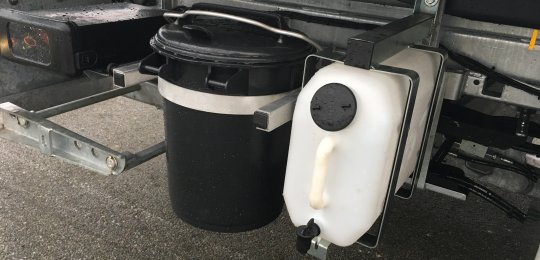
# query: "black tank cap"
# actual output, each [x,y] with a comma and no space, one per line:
[333,107]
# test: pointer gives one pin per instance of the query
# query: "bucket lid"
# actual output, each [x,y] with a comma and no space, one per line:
[217,40]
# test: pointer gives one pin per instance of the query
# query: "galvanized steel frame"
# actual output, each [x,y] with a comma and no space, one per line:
[33,129]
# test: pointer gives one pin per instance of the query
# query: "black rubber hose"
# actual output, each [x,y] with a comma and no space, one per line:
[494,199]
[470,116]
[521,166]
[527,148]
[449,172]
[489,196]
[528,174]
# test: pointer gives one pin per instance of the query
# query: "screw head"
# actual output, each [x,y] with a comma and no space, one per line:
[22,122]
[111,162]
[431,2]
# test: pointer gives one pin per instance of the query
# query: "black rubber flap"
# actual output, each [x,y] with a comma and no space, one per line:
[216,40]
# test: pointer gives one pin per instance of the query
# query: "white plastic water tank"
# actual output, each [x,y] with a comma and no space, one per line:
[340,178]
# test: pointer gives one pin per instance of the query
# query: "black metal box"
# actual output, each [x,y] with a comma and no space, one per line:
[70,40]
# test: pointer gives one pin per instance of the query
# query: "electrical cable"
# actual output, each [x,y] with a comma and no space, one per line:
[511,162]
[490,196]
[450,173]
[526,173]
[527,148]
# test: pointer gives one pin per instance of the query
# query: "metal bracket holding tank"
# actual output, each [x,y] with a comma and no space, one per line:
[32,128]
[373,47]
[129,75]
[418,179]
[277,113]
[273,115]
[372,239]
[367,51]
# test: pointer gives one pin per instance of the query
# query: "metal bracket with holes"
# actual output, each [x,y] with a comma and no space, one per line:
[33,129]
[474,84]
[471,83]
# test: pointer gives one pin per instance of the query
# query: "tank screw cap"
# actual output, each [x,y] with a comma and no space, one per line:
[333,107]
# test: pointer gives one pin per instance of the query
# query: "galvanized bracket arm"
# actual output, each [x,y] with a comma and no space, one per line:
[28,128]
[34,130]
[276,114]
[129,76]
[373,47]
[25,127]
[422,27]
[471,83]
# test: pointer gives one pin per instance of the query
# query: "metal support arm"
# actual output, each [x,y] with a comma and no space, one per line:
[83,102]
[25,127]
[275,114]
[33,129]
[375,46]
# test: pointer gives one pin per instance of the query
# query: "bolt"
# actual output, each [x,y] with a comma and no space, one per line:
[506,161]
[22,122]
[431,2]
[13,2]
[112,163]
[475,74]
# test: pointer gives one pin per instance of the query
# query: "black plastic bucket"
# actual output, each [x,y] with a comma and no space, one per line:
[224,174]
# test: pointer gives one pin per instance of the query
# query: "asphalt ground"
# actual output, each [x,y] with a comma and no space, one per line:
[50,209]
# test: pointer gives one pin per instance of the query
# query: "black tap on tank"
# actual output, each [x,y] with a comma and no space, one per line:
[304,235]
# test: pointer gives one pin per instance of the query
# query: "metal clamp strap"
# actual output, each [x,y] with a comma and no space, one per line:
[297,35]
[219,104]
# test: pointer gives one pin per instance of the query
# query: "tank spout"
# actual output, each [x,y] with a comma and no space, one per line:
[305,234]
